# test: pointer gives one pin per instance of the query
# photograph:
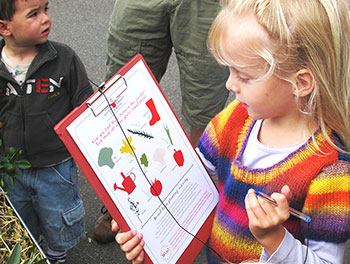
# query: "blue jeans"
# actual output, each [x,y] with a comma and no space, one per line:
[49,203]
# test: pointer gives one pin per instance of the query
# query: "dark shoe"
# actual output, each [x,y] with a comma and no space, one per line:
[102,231]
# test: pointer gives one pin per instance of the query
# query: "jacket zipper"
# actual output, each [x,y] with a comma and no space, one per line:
[22,98]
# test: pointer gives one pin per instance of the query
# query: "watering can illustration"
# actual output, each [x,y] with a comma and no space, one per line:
[128,183]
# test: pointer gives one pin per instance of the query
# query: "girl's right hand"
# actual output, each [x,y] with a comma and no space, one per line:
[131,243]
[266,219]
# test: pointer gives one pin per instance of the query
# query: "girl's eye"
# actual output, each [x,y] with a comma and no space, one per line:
[239,77]
[242,79]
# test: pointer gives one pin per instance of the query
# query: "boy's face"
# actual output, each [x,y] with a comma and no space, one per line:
[31,23]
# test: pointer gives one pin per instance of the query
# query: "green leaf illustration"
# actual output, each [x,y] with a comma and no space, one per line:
[144,160]
[168,133]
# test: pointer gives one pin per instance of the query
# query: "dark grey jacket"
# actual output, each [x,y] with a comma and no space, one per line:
[56,82]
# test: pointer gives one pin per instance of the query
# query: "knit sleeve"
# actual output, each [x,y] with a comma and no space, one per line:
[328,204]
[209,144]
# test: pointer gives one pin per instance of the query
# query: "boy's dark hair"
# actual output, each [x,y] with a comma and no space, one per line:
[7,9]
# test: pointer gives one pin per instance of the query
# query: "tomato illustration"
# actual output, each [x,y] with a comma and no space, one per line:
[156,188]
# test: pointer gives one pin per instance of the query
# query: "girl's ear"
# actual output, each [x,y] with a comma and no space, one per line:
[304,83]
[4,30]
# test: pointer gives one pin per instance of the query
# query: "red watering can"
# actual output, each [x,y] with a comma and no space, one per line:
[128,183]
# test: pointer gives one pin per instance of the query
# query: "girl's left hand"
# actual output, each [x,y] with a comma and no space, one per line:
[265,219]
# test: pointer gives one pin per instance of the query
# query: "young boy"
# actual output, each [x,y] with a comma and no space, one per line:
[40,83]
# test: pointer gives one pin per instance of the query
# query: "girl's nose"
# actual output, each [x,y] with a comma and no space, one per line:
[231,84]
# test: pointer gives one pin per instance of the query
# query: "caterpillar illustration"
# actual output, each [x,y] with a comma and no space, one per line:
[140,133]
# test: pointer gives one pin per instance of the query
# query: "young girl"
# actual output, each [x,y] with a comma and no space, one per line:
[287,131]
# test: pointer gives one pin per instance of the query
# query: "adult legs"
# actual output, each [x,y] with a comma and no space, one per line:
[139,26]
[202,80]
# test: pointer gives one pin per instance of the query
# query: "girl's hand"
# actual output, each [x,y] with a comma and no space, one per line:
[131,243]
[265,219]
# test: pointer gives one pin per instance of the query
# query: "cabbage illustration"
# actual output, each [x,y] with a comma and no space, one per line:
[105,157]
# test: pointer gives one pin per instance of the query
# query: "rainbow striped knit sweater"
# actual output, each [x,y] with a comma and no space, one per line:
[320,185]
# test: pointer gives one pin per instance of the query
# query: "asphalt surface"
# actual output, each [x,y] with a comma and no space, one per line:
[83,24]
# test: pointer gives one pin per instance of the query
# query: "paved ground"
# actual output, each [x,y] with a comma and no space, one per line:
[83,24]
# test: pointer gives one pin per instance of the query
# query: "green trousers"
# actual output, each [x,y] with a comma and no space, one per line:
[154,28]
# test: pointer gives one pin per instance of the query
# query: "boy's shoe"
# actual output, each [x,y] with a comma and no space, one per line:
[51,261]
[102,231]
[56,257]
[40,241]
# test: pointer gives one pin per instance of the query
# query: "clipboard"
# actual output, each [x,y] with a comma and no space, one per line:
[131,147]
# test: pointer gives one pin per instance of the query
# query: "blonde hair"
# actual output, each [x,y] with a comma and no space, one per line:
[305,34]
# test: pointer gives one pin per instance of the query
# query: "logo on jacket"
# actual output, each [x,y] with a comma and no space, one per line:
[39,86]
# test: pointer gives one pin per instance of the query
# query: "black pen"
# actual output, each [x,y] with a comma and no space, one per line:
[292,211]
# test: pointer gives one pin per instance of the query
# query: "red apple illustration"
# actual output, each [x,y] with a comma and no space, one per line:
[178,157]
[156,188]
